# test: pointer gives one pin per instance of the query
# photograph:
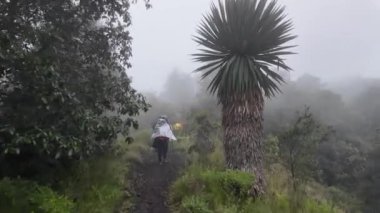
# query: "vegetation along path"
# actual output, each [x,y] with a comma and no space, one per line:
[150,182]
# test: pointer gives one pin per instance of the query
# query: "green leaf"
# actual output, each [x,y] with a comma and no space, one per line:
[234,30]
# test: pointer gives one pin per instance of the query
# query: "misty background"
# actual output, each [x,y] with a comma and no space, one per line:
[334,73]
[75,132]
[337,40]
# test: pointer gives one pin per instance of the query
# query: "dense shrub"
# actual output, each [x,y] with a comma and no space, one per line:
[18,196]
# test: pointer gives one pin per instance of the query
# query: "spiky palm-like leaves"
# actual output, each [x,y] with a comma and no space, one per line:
[243,41]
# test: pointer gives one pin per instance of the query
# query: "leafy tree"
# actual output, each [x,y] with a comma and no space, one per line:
[341,162]
[299,146]
[63,85]
[243,41]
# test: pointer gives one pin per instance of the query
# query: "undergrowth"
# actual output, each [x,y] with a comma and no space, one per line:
[209,187]
[203,190]
[93,185]
[97,185]
[17,196]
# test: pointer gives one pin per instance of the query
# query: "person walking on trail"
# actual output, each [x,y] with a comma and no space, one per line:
[162,134]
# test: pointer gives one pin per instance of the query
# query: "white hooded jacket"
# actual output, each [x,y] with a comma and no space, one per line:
[162,129]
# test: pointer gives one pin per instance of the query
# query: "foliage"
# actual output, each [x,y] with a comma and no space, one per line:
[342,161]
[64,91]
[342,174]
[299,145]
[191,192]
[203,132]
[271,149]
[217,187]
[279,184]
[97,185]
[216,158]
[195,204]
[92,185]
[342,158]
[242,41]
[203,190]
[26,196]
[64,99]
[282,203]
[371,184]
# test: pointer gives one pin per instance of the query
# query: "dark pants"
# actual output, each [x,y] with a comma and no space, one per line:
[161,144]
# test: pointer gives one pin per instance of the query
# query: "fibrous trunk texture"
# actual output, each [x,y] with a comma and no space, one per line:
[243,135]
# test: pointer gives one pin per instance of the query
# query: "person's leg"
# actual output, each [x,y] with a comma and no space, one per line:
[159,149]
[165,145]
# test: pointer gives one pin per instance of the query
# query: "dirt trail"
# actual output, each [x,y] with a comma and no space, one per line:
[151,182]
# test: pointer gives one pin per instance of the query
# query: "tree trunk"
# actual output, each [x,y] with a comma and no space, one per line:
[243,135]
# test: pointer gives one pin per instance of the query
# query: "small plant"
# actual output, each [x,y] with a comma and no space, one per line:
[195,204]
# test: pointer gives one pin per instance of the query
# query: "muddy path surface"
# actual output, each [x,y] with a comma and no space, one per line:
[150,182]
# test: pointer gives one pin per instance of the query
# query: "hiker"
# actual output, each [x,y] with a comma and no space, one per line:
[161,117]
[162,134]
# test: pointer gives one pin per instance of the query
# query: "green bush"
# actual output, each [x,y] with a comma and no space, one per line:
[211,187]
[229,186]
[26,196]
[202,190]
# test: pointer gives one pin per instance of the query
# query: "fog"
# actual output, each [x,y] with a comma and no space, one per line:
[348,159]
[336,39]
[348,106]
[334,73]
[73,129]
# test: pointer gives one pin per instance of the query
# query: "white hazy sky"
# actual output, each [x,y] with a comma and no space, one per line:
[337,39]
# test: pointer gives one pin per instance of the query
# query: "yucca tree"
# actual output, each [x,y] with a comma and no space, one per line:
[243,44]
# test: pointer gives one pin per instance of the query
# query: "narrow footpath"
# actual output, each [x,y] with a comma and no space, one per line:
[150,182]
